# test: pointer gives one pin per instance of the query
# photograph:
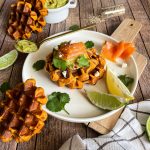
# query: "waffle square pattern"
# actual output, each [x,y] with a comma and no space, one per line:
[26,16]
[21,114]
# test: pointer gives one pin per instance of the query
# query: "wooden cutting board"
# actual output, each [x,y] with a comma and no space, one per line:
[126,31]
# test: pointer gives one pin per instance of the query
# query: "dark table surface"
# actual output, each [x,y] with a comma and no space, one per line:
[56,131]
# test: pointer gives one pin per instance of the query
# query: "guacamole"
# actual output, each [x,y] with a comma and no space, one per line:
[51,4]
[26,46]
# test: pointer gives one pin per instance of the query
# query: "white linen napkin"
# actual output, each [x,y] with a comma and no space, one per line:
[128,134]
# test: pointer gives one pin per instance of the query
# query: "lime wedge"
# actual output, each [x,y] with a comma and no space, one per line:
[105,101]
[26,46]
[148,128]
[8,59]
[116,87]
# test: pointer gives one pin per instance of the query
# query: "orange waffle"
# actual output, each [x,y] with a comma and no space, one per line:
[26,16]
[76,78]
[21,114]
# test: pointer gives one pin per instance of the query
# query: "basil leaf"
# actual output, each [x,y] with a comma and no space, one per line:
[89,44]
[39,65]
[83,62]
[74,27]
[4,87]
[126,80]
[60,64]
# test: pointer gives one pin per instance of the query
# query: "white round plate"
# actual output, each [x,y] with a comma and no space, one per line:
[79,107]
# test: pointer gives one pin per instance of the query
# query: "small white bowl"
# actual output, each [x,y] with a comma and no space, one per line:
[57,15]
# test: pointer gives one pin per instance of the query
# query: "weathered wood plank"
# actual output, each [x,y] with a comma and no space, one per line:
[146,5]
[86,10]
[4,76]
[5,45]
[1,4]
[140,15]
[4,16]
[144,45]
[101,27]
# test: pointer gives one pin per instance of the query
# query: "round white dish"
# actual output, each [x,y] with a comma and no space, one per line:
[79,107]
[57,15]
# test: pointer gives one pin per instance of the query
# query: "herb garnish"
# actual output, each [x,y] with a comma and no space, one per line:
[39,65]
[4,87]
[89,44]
[74,27]
[83,62]
[59,63]
[57,101]
[126,80]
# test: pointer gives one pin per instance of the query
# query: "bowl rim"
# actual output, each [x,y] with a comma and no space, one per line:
[99,117]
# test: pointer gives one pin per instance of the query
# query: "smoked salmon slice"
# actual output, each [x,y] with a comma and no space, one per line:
[72,50]
[111,50]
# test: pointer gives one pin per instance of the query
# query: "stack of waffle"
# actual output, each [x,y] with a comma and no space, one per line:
[75,79]
[26,16]
[21,114]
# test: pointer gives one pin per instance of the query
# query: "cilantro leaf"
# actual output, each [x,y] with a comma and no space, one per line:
[4,87]
[126,80]
[89,44]
[57,101]
[83,62]
[39,65]
[74,27]
[59,63]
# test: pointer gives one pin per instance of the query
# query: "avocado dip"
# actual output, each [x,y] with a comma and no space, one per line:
[52,4]
[26,46]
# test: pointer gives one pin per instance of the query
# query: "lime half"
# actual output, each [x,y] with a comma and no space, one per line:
[8,59]
[105,101]
[116,87]
[148,128]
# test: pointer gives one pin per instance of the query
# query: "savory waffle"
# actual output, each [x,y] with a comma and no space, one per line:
[26,16]
[75,78]
[21,114]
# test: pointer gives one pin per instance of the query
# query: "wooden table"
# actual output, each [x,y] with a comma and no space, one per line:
[56,132]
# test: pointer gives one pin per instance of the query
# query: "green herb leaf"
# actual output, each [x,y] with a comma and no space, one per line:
[59,63]
[39,65]
[57,101]
[4,87]
[89,44]
[74,27]
[126,80]
[83,62]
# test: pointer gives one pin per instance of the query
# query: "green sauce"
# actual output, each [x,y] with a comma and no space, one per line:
[26,46]
[51,4]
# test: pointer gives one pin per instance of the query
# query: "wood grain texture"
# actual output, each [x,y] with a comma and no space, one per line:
[5,11]
[56,131]
[1,4]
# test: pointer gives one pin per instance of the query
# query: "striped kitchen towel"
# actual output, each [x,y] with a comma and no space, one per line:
[128,134]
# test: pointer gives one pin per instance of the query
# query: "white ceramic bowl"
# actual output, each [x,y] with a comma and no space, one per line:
[60,14]
[79,107]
